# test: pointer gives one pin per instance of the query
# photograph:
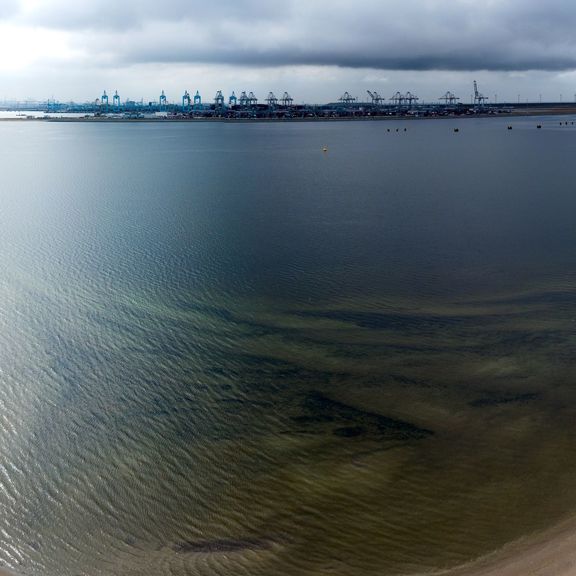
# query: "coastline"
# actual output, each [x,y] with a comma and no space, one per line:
[519,113]
[551,552]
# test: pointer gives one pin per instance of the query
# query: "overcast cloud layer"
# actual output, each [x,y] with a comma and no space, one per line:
[257,39]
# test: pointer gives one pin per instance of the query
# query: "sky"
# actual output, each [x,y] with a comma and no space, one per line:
[517,50]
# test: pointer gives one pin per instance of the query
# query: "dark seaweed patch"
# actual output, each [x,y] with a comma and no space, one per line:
[221,545]
[263,368]
[348,422]
[504,399]
[313,419]
[349,431]
[410,381]
[399,322]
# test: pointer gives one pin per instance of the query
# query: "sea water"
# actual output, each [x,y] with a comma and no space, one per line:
[225,351]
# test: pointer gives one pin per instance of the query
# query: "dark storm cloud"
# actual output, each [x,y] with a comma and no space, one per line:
[129,14]
[407,35]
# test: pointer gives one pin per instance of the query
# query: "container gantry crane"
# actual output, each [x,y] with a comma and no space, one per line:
[197,99]
[346,98]
[398,99]
[243,99]
[410,99]
[479,99]
[272,101]
[116,100]
[186,100]
[286,99]
[376,98]
[252,100]
[233,100]
[104,99]
[163,101]
[449,98]
[219,99]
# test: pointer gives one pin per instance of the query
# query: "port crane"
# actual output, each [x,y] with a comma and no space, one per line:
[219,99]
[410,99]
[247,99]
[116,100]
[404,99]
[197,100]
[449,98]
[186,100]
[243,99]
[163,101]
[272,101]
[104,99]
[347,99]
[286,99]
[376,98]
[479,99]
[398,99]
[233,100]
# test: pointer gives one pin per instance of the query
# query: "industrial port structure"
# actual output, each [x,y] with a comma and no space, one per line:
[246,105]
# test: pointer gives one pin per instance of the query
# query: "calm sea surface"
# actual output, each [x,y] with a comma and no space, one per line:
[225,352]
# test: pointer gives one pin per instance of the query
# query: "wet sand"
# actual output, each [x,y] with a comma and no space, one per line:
[549,553]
